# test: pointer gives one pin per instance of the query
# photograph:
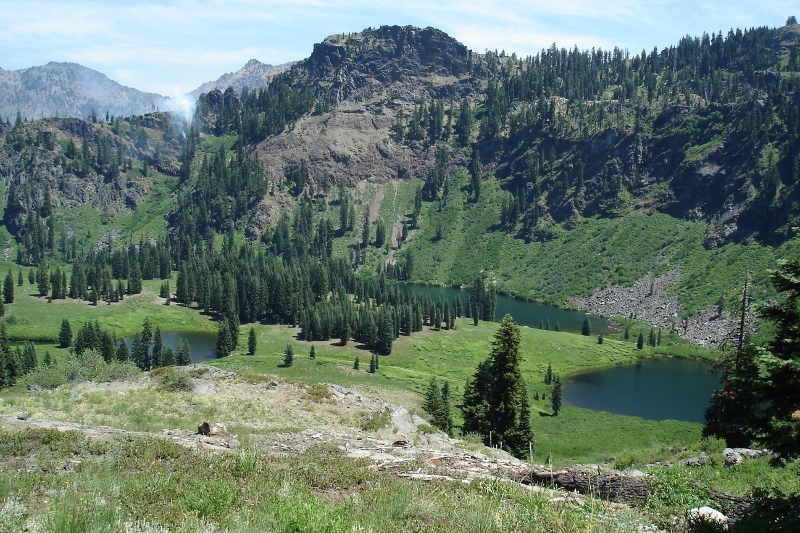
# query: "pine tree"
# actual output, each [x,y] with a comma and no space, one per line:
[356,364]
[8,288]
[252,342]
[312,354]
[640,342]
[169,357]
[586,328]
[29,358]
[497,393]
[65,335]
[13,366]
[779,395]
[444,420]
[385,332]
[123,353]
[184,355]
[548,375]
[433,399]
[135,278]
[288,356]
[600,339]
[627,332]
[43,279]
[20,280]
[372,364]
[555,396]
[158,349]
[223,339]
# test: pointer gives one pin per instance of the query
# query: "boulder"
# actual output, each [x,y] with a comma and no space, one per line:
[706,515]
[732,457]
[695,461]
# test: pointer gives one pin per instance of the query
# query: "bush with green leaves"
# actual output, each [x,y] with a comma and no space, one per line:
[87,366]
[171,380]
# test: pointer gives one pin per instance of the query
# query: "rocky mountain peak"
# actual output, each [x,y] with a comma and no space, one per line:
[406,61]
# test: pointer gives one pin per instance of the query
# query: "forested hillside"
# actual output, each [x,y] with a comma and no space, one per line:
[401,153]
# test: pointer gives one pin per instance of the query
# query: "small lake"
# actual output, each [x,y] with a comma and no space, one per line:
[655,389]
[525,313]
[202,344]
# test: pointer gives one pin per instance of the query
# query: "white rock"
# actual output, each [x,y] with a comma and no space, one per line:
[706,514]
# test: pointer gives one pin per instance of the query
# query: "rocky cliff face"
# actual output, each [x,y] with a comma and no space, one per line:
[69,90]
[393,62]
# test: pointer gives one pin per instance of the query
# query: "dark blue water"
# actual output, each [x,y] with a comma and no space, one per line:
[529,314]
[655,389]
[203,345]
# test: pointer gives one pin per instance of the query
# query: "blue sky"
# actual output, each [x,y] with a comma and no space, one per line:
[172,47]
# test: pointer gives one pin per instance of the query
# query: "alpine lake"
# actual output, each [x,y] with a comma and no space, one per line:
[656,389]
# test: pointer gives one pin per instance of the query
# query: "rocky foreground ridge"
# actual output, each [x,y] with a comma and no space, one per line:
[402,445]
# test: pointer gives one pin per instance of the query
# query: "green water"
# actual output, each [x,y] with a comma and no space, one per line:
[528,314]
[656,389]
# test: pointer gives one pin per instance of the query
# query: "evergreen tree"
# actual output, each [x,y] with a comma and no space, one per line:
[123,353]
[65,334]
[627,332]
[223,339]
[433,399]
[779,394]
[29,358]
[135,278]
[346,333]
[169,357]
[356,364]
[372,364]
[497,393]
[385,332]
[43,279]
[252,342]
[158,349]
[8,288]
[548,375]
[475,174]
[600,339]
[640,342]
[184,356]
[288,356]
[555,396]
[141,354]
[586,328]
[20,280]
[13,366]
[445,418]
[312,354]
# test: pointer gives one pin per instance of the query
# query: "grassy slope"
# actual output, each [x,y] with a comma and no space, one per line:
[147,485]
[576,435]
[596,253]
[34,318]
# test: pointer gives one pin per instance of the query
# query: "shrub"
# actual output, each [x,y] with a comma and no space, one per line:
[87,366]
[171,380]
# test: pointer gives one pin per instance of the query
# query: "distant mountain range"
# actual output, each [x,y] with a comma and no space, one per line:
[72,90]
[253,75]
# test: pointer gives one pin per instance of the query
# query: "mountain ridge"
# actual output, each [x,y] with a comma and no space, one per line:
[69,90]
